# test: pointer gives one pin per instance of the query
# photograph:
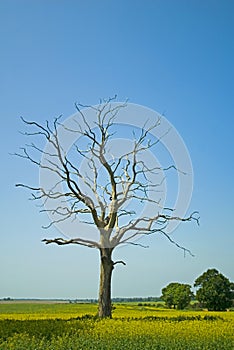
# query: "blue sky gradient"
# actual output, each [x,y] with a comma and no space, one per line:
[173,56]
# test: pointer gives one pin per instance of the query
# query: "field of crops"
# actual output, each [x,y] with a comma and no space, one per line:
[74,326]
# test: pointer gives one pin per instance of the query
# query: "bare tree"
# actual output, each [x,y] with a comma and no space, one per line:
[88,194]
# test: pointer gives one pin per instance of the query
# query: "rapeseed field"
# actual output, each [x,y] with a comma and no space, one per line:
[75,327]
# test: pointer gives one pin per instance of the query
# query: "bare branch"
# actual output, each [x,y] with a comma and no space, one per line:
[119,262]
[148,227]
[80,241]
[177,245]
[135,244]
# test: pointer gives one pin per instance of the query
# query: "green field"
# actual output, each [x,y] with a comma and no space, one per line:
[38,326]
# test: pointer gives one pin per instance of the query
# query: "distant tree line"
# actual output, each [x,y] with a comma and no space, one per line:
[136,299]
[119,300]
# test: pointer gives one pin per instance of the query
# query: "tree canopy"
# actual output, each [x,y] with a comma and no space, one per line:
[215,291]
[177,295]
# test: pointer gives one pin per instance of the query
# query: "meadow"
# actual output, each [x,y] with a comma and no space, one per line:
[37,326]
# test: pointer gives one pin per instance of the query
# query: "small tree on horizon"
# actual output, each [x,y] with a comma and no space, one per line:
[101,195]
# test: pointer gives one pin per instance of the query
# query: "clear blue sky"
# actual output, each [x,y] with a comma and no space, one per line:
[174,56]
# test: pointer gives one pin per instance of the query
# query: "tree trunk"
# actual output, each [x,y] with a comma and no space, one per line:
[106,268]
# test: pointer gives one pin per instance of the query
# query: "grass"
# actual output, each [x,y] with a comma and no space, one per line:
[74,326]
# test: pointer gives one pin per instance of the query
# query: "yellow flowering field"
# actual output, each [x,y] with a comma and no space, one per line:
[74,326]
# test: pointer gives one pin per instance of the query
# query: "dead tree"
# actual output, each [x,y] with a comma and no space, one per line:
[88,195]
